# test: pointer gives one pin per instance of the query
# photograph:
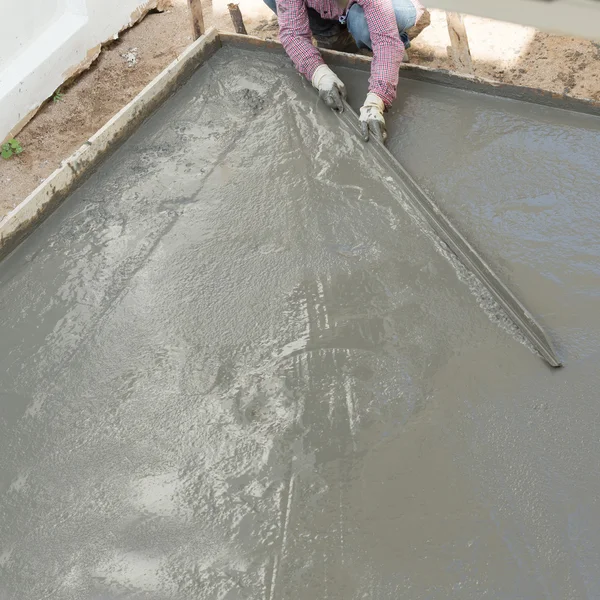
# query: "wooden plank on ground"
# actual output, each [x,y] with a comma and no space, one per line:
[197,17]
[459,52]
[236,18]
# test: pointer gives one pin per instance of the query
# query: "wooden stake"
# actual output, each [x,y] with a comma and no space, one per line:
[459,52]
[207,10]
[236,17]
[197,18]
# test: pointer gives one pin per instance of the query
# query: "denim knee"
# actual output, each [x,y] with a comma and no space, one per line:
[272,5]
[406,14]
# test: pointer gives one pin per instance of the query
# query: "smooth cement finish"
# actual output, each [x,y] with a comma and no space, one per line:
[233,366]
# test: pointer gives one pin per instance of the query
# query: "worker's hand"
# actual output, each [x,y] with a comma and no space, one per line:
[372,123]
[331,89]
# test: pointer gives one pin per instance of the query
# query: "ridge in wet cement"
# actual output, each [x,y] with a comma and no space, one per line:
[234,367]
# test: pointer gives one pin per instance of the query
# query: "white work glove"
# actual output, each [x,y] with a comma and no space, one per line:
[331,89]
[372,123]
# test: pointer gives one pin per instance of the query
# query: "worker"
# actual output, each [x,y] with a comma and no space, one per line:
[383,26]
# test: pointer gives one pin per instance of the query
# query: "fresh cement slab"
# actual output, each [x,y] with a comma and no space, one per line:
[233,366]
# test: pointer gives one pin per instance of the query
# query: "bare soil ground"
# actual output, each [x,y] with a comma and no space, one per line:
[500,51]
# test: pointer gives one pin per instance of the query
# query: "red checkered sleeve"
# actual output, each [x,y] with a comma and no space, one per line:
[388,49]
[296,37]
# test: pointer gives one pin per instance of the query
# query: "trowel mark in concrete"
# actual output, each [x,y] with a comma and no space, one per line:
[352,424]
[485,300]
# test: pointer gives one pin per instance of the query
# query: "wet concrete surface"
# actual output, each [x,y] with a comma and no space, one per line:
[233,366]
[523,182]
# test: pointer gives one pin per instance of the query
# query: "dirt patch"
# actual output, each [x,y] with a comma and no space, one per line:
[501,51]
[518,55]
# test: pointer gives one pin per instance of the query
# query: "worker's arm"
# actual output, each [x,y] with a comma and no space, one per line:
[296,38]
[388,51]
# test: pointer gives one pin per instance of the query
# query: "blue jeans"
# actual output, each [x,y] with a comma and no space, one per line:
[406,16]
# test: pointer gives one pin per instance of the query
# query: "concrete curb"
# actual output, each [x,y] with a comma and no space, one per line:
[51,192]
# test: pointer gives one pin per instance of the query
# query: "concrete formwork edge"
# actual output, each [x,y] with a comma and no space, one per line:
[52,191]
[470,83]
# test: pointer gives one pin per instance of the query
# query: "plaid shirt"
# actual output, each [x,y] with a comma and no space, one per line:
[388,49]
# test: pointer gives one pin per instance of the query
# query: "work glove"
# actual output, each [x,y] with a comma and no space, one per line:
[331,89]
[372,123]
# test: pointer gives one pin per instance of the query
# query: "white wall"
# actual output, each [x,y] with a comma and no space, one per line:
[44,41]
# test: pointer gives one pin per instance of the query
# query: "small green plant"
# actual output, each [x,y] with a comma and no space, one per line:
[58,96]
[10,148]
